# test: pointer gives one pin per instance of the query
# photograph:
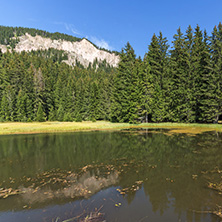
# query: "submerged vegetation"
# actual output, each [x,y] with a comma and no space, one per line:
[82,171]
[182,84]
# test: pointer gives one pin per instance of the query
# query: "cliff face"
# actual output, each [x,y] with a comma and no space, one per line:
[3,48]
[82,51]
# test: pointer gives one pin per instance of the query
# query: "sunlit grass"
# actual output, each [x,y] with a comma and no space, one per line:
[43,127]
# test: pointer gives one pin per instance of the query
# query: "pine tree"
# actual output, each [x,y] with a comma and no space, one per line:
[121,110]
[60,113]
[158,62]
[40,115]
[4,111]
[206,85]
[136,93]
[147,91]
[216,74]
[105,84]
[200,71]
[94,109]
[189,87]
[178,69]
[78,101]
[21,107]
[52,114]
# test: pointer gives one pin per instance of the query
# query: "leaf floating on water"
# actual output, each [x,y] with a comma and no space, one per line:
[194,176]
[215,186]
[139,182]
[118,204]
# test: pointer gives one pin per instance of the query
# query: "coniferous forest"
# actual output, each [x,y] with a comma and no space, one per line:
[178,82]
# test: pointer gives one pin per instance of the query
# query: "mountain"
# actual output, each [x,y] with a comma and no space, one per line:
[78,50]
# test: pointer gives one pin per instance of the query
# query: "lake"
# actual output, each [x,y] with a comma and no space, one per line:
[128,175]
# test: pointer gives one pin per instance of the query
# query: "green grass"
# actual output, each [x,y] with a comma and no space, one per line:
[49,127]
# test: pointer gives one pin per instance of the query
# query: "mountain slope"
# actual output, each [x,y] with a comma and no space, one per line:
[80,50]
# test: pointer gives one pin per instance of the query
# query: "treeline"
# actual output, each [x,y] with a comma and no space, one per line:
[178,84]
[181,84]
[36,88]
[9,36]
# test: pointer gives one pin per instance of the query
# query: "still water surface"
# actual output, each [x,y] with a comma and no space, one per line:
[136,175]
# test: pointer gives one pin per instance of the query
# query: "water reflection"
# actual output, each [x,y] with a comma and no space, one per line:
[85,186]
[169,173]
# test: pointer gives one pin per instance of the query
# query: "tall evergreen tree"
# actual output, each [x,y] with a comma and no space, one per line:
[189,71]
[206,85]
[158,62]
[178,68]
[40,115]
[147,91]
[216,74]
[122,107]
[200,72]
[21,107]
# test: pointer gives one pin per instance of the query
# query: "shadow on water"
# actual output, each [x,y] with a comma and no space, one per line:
[132,175]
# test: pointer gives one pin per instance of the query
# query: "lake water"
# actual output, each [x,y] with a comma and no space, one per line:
[129,175]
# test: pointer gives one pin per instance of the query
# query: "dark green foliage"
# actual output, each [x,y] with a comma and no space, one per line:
[157,60]
[147,91]
[21,106]
[183,84]
[40,115]
[124,107]
[36,88]
[216,74]
[7,34]
[54,54]
[178,69]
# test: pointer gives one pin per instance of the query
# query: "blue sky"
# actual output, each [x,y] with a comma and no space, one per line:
[111,24]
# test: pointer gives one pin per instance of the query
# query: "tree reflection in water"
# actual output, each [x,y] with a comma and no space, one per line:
[174,170]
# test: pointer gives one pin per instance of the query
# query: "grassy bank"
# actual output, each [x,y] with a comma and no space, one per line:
[49,127]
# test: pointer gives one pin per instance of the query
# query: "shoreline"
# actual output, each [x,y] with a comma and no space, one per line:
[10,128]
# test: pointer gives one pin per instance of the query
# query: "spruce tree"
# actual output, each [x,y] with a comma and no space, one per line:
[121,110]
[147,91]
[158,62]
[178,69]
[21,107]
[4,111]
[200,72]
[189,71]
[94,102]
[40,115]
[206,97]
[216,74]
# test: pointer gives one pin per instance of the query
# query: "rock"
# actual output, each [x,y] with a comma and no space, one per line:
[83,51]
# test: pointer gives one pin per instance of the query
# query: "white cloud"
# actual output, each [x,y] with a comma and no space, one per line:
[69,27]
[98,42]
[101,43]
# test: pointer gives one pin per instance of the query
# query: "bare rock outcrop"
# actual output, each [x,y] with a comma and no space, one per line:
[82,51]
[3,48]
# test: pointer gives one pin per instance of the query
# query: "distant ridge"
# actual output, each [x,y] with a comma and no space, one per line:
[78,50]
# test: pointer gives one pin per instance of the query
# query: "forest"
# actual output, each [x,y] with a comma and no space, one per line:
[178,82]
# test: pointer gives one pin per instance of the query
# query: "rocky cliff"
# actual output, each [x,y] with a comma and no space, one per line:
[83,51]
